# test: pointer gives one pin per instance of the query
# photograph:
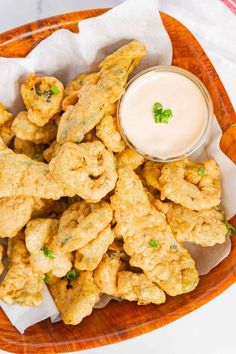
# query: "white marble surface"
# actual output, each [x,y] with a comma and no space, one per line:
[210,329]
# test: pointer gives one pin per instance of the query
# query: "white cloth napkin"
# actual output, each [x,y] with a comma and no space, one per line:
[65,55]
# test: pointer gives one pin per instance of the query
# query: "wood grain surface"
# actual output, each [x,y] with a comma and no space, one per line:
[120,321]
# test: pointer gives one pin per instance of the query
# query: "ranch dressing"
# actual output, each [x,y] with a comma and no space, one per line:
[174,91]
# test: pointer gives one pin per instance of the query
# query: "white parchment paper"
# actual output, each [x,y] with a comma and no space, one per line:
[65,55]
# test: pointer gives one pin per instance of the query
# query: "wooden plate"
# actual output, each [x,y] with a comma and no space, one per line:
[120,321]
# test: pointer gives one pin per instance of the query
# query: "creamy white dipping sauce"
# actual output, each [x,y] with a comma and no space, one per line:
[174,91]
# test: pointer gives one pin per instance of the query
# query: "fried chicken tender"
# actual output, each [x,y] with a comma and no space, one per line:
[113,280]
[95,98]
[22,284]
[45,255]
[42,97]
[1,257]
[5,116]
[77,300]
[151,173]
[24,129]
[51,151]
[148,239]
[205,227]
[107,131]
[195,186]
[22,176]
[81,223]
[15,212]
[129,159]
[87,170]
[89,256]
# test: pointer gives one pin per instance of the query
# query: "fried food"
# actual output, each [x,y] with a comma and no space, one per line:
[148,239]
[22,176]
[45,255]
[15,212]
[76,299]
[151,173]
[21,285]
[87,170]
[82,223]
[113,279]
[107,132]
[1,257]
[45,207]
[42,97]
[24,129]
[51,151]
[80,81]
[95,98]
[89,256]
[195,186]
[6,133]
[129,159]
[35,152]
[5,116]
[205,227]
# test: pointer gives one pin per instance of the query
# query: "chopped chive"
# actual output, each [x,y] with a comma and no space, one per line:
[161,115]
[55,90]
[231,229]
[201,171]
[48,253]
[46,278]
[72,274]
[153,243]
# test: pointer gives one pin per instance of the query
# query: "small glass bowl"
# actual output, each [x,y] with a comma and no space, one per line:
[204,137]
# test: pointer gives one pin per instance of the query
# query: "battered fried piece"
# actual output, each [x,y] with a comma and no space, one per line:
[107,131]
[32,150]
[42,97]
[76,299]
[87,170]
[5,116]
[6,133]
[88,257]
[151,173]
[22,176]
[21,285]
[1,256]
[95,98]
[205,227]
[51,151]
[129,159]
[45,255]
[46,207]
[80,81]
[82,223]
[195,186]
[148,239]
[14,214]
[24,129]
[113,280]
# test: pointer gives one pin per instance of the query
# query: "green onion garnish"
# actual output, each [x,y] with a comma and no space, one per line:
[201,171]
[55,90]
[231,229]
[46,278]
[48,253]
[72,274]
[161,115]
[153,243]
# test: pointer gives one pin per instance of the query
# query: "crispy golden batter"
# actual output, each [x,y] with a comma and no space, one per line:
[46,207]
[151,173]
[77,300]
[42,97]
[107,131]
[35,152]
[24,129]
[112,279]
[129,159]
[148,239]
[22,176]
[45,255]
[51,151]
[1,257]
[82,223]
[21,285]
[95,98]
[15,212]
[205,227]
[87,170]
[6,133]
[182,183]
[89,256]
[5,116]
